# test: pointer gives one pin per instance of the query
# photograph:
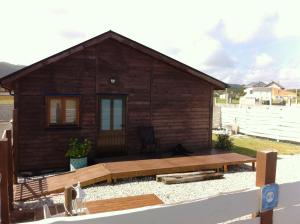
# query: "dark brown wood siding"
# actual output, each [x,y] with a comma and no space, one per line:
[177,104]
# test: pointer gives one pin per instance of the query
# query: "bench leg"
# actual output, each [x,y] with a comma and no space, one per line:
[225,168]
[253,166]
[109,180]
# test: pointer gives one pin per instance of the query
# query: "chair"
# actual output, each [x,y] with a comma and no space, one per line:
[148,141]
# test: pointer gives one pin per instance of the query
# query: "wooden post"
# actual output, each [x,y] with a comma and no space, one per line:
[5,213]
[266,174]
[10,170]
[15,143]
[68,201]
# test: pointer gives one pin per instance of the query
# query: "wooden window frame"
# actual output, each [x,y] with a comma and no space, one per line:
[63,111]
[111,97]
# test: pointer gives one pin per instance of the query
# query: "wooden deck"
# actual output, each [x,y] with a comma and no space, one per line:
[107,205]
[117,170]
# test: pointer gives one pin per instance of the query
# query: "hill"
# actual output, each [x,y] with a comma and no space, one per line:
[7,68]
[236,86]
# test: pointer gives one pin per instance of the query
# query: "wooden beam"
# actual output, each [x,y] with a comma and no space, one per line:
[266,174]
[5,211]
[192,178]
[10,169]
[211,108]
[178,175]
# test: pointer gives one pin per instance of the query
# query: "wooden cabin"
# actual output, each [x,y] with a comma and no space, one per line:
[104,89]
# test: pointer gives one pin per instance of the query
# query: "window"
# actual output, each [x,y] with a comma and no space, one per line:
[111,114]
[63,110]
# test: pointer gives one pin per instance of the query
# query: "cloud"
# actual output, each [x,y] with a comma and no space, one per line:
[173,51]
[72,34]
[58,11]
[195,52]
[263,60]
[290,74]
[288,19]
[220,58]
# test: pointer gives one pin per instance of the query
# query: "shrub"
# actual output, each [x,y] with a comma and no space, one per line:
[224,142]
[78,149]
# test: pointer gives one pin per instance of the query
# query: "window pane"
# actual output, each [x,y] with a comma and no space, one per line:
[105,114]
[55,111]
[117,116]
[70,112]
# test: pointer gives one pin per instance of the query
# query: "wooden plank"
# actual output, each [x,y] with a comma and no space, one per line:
[124,203]
[187,179]
[160,176]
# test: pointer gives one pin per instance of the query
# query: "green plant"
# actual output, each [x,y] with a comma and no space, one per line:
[224,142]
[78,149]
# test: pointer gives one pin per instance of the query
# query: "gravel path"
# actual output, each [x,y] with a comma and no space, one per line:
[233,181]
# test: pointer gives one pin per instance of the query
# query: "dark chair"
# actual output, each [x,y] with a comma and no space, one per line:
[148,141]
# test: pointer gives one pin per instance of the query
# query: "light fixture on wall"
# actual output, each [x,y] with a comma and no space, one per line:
[113,80]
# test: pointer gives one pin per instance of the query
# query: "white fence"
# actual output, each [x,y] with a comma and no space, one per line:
[276,122]
[217,209]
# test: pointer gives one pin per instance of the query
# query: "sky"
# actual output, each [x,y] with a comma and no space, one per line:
[236,41]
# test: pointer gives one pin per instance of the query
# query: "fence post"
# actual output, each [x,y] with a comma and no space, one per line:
[4,182]
[266,174]
[10,169]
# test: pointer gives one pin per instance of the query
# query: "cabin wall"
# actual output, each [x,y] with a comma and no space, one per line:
[180,108]
[177,104]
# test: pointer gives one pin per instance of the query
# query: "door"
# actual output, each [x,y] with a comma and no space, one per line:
[112,129]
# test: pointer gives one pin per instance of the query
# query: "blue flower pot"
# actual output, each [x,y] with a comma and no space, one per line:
[77,163]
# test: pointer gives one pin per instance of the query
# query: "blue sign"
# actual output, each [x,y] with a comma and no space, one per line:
[269,197]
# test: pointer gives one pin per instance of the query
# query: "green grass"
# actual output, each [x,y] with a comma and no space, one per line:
[6,100]
[249,145]
[218,100]
[223,101]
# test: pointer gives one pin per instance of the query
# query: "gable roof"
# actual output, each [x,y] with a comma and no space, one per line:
[275,83]
[7,81]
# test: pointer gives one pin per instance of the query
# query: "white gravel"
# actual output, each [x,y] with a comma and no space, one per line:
[287,171]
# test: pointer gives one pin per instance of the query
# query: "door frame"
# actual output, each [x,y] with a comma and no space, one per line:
[99,96]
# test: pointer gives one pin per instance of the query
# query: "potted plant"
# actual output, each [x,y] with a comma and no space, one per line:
[224,142]
[77,152]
